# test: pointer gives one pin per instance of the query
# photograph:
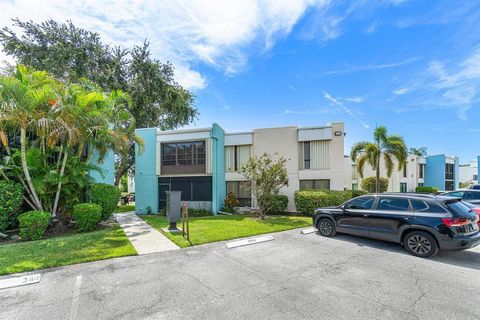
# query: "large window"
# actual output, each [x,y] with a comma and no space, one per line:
[315,184]
[236,156]
[242,191]
[183,158]
[449,171]
[365,203]
[421,170]
[306,155]
[449,185]
[403,187]
[393,204]
[193,188]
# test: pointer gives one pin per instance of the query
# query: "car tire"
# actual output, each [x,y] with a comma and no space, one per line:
[420,244]
[326,228]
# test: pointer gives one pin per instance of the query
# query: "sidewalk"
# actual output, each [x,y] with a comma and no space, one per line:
[143,237]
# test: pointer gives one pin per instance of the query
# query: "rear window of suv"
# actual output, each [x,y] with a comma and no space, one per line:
[459,209]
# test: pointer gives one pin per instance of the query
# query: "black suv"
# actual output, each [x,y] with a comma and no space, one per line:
[423,224]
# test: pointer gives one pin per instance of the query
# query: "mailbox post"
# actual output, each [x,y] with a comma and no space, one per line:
[173,209]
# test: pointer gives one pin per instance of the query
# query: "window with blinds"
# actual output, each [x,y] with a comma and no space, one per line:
[314,155]
[236,156]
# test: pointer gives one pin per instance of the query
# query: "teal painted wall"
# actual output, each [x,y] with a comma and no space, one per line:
[478,165]
[146,181]
[107,166]
[218,167]
[435,172]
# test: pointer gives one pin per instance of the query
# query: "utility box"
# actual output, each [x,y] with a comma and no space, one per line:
[173,208]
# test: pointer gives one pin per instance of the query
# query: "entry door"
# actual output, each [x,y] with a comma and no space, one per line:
[354,219]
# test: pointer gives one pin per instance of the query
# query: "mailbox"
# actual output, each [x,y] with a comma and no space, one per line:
[173,208]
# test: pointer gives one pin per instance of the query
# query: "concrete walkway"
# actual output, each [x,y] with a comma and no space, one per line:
[143,237]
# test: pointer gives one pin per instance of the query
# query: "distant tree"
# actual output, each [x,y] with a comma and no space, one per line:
[369,184]
[266,177]
[70,54]
[390,147]
[421,152]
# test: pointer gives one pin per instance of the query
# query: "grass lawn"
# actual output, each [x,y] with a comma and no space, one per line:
[223,227]
[61,251]
[125,208]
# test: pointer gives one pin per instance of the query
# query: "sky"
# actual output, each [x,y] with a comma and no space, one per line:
[413,66]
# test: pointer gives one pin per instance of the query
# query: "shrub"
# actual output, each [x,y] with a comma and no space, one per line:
[107,196]
[86,216]
[425,189]
[306,201]
[199,213]
[231,200]
[33,224]
[368,184]
[275,204]
[11,200]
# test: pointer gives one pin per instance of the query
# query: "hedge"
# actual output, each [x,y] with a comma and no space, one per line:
[276,204]
[86,216]
[11,199]
[306,201]
[369,184]
[33,224]
[107,196]
[426,189]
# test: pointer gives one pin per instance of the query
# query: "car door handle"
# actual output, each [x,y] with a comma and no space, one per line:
[366,215]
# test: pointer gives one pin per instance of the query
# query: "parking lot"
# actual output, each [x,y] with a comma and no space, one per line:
[293,277]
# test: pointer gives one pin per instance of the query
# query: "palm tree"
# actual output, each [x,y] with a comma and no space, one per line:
[420,152]
[390,147]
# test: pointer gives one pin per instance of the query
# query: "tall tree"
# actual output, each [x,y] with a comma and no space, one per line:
[390,146]
[70,53]
[421,152]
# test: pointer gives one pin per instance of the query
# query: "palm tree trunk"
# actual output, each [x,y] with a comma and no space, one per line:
[59,185]
[26,172]
[377,180]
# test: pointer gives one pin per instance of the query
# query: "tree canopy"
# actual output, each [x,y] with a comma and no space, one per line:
[70,54]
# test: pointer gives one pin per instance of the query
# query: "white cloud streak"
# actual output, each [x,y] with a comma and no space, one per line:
[341,105]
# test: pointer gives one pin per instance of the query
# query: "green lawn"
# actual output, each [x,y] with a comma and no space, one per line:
[223,227]
[61,251]
[125,208]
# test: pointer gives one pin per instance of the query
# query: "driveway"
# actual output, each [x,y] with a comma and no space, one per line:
[293,277]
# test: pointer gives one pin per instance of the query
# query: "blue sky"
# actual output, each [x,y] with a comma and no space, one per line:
[413,66]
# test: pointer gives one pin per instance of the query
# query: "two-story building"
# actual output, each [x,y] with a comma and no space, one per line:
[442,172]
[205,163]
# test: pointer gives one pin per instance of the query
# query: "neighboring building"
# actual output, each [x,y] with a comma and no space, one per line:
[468,173]
[204,163]
[405,180]
[107,166]
[442,172]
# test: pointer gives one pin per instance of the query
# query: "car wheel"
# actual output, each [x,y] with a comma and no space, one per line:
[326,228]
[420,244]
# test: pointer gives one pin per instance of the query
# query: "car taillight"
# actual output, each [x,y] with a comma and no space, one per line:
[455,222]
[477,210]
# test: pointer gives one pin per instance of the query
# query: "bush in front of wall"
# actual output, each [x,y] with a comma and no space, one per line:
[275,203]
[231,200]
[306,201]
[33,224]
[86,216]
[426,189]
[107,196]
[369,184]
[11,199]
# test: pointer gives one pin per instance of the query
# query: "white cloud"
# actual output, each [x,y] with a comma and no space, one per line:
[369,67]
[214,32]
[340,104]
[355,99]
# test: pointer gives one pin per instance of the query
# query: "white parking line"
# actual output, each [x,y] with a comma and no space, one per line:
[20,281]
[75,298]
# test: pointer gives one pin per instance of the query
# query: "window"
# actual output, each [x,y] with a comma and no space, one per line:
[470,195]
[475,177]
[393,204]
[420,184]
[306,155]
[364,203]
[456,194]
[315,184]
[421,172]
[242,191]
[403,187]
[183,158]
[405,171]
[449,172]
[193,188]
[449,185]
[236,156]
[423,206]
[354,187]
[459,208]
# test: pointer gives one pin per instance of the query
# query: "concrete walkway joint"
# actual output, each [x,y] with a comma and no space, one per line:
[144,238]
